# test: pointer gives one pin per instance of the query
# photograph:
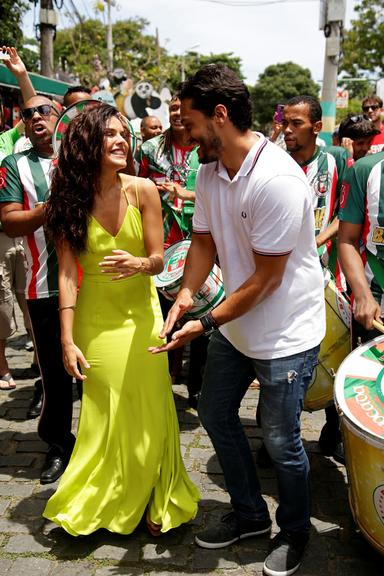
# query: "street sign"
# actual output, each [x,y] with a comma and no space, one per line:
[342,98]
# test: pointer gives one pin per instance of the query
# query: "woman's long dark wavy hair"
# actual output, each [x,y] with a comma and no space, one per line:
[75,180]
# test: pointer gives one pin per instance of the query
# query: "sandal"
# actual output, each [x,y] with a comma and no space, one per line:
[153,529]
[7,382]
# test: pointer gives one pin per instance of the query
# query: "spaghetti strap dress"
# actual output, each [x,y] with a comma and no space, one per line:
[126,461]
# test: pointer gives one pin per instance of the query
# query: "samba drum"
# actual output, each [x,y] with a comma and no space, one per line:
[74,110]
[210,294]
[334,348]
[359,397]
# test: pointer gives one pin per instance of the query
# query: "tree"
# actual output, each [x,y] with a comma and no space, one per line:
[11,15]
[277,84]
[81,49]
[363,49]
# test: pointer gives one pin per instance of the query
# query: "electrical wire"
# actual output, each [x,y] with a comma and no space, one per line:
[252,3]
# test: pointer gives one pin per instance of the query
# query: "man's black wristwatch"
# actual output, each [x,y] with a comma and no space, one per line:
[209,324]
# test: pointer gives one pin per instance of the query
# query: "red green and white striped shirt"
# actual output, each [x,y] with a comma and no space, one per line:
[362,202]
[25,178]
[322,175]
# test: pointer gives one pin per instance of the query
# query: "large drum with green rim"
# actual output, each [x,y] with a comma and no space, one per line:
[359,397]
[168,282]
[74,110]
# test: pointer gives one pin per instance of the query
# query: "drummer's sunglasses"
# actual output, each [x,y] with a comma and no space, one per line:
[43,110]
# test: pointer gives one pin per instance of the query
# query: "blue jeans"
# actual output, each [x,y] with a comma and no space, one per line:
[284,382]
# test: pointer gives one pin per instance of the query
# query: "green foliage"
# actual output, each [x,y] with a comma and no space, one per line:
[358,88]
[277,84]
[354,107]
[11,14]
[31,58]
[77,49]
[81,48]
[363,47]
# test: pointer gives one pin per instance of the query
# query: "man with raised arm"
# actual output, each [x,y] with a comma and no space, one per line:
[24,188]
[253,210]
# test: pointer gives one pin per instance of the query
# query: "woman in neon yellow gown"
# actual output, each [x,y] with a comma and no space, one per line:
[126,462]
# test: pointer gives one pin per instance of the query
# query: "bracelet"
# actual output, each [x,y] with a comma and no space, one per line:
[209,324]
[72,307]
[142,265]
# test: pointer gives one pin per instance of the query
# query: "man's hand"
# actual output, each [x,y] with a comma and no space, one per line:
[15,63]
[175,191]
[347,143]
[183,304]
[189,331]
[366,310]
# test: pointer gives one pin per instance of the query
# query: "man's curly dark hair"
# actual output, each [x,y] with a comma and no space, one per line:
[76,178]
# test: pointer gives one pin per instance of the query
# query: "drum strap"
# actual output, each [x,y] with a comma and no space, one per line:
[376,267]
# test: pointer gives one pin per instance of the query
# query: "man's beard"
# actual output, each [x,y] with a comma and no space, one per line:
[210,150]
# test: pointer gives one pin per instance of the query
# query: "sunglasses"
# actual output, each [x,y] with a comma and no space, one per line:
[372,107]
[43,110]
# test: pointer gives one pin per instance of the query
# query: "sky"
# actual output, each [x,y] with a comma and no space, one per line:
[271,33]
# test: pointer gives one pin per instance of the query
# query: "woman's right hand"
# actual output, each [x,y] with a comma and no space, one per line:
[72,357]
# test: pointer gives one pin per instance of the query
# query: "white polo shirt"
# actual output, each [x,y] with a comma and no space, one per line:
[266,209]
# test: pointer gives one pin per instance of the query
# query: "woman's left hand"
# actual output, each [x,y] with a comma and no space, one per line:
[121,263]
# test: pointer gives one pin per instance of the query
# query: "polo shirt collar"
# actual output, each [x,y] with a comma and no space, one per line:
[248,163]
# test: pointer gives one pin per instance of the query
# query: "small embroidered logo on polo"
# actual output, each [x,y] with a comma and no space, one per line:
[243,214]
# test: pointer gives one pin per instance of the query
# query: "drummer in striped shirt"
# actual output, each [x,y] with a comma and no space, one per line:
[302,124]
[25,181]
[361,243]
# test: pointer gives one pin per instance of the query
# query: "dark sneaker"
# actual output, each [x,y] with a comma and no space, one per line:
[230,529]
[285,554]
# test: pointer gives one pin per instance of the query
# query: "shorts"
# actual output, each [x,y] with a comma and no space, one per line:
[12,281]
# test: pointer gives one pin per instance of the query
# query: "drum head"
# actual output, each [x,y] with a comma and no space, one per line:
[359,387]
[174,261]
[70,113]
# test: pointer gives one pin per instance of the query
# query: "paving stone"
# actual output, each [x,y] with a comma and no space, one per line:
[28,543]
[17,460]
[72,569]
[201,453]
[32,446]
[5,566]
[4,504]
[172,556]
[213,559]
[128,553]
[14,489]
[12,525]
[31,567]
[119,571]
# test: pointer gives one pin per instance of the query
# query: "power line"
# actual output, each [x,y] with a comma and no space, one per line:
[252,3]
[86,9]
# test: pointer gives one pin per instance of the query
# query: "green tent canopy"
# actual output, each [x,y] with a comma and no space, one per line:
[42,84]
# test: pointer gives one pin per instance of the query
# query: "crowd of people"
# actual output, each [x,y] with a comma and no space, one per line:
[96,221]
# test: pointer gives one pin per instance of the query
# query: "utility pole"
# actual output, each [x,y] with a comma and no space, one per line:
[47,25]
[332,17]
[109,38]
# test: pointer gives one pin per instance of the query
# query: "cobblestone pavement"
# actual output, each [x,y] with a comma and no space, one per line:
[31,547]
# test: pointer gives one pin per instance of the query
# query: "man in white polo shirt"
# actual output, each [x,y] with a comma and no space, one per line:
[253,209]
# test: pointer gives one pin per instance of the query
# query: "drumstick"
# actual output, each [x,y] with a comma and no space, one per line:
[378,325]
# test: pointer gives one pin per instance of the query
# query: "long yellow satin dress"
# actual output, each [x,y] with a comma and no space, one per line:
[126,461]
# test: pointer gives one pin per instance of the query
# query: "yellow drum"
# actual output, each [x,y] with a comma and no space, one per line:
[334,348]
[359,397]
